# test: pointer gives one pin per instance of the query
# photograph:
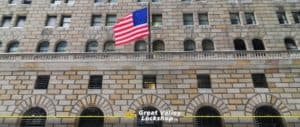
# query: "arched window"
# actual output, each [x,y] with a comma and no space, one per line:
[109,46]
[267,121]
[208,122]
[189,45]
[13,47]
[140,46]
[290,44]
[239,44]
[61,46]
[158,45]
[141,123]
[34,122]
[91,122]
[91,46]
[258,44]
[208,45]
[43,47]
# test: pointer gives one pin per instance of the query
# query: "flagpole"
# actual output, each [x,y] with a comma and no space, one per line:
[149,28]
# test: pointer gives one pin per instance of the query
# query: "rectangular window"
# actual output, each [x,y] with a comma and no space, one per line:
[296,16]
[112,1]
[250,18]
[12,1]
[98,1]
[143,0]
[65,21]
[96,20]
[6,21]
[259,80]
[282,18]
[188,19]
[111,20]
[203,81]
[42,82]
[203,19]
[157,20]
[95,82]
[20,21]
[149,81]
[235,18]
[55,1]
[26,2]
[51,21]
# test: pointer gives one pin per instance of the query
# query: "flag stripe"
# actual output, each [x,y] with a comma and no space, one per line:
[131,30]
[132,39]
[131,27]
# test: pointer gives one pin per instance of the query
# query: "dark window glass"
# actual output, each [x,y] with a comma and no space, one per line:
[239,44]
[149,81]
[6,21]
[208,45]
[43,47]
[235,18]
[96,20]
[109,46]
[259,80]
[290,44]
[34,122]
[13,47]
[12,1]
[158,45]
[157,20]
[61,47]
[188,19]
[267,121]
[20,21]
[51,21]
[250,18]
[65,21]
[282,18]
[258,44]
[203,81]
[208,122]
[141,123]
[95,82]
[189,45]
[92,46]
[140,46]
[42,82]
[203,19]
[91,122]
[110,20]
[296,16]
[26,1]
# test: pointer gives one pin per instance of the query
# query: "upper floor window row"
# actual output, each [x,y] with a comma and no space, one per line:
[65,21]
[19,21]
[22,1]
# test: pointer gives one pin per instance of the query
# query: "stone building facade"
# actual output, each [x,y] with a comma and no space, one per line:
[232,91]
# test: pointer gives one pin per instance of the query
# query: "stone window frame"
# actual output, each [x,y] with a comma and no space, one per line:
[88,45]
[60,43]
[19,19]
[95,82]
[34,111]
[204,81]
[259,80]
[4,20]
[42,82]
[214,111]
[38,49]
[150,81]
[15,44]
[48,20]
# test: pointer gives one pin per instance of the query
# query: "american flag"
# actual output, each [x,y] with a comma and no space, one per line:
[131,27]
